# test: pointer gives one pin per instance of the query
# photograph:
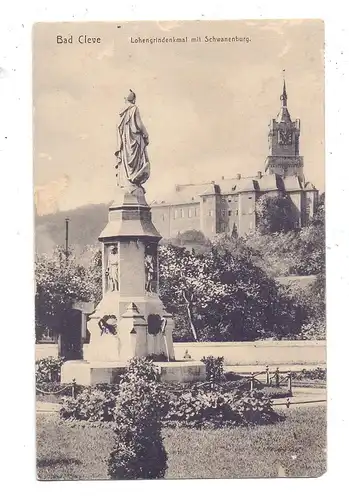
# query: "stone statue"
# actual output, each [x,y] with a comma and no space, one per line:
[133,165]
[163,325]
[113,268]
[150,275]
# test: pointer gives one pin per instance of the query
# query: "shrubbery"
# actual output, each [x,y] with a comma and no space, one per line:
[199,408]
[214,369]
[138,451]
[315,374]
[48,369]
[141,403]
[93,405]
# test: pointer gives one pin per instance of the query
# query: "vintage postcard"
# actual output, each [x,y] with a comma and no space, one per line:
[179,249]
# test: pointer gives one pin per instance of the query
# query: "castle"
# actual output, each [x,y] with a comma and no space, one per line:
[229,205]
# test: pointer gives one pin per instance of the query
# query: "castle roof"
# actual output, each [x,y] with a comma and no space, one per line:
[269,182]
[191,193]
[185,193]
[292,183]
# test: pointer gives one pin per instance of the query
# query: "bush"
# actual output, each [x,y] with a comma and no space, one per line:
[92,404]
[276,392]
[138,451]
[214,409]
[316,374]
[48,369]
[214,369]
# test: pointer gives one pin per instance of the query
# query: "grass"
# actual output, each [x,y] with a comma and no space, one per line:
[295,447]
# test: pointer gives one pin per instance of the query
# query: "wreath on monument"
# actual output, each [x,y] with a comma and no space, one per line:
[108,324]
[154,324]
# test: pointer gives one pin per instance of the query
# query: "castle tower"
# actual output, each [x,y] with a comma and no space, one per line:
[284,158]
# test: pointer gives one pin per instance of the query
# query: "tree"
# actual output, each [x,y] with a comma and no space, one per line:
[222,294]
[275,213]
[275,253]
[311,244]
[180,273]
[191,240]
[300,252]
[60,282]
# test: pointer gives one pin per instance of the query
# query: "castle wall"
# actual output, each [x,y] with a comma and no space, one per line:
[231,203]
[220,213]
[298,207]
[310,202]
[247,212]
[209,214]
[170,220]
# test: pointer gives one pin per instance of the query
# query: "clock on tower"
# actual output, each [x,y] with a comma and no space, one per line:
[285,137]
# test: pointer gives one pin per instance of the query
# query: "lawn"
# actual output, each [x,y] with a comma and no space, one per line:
[295,447]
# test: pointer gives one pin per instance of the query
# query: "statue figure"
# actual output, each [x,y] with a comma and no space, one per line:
[150,275]
[113,268]
[133,165]
[163,325]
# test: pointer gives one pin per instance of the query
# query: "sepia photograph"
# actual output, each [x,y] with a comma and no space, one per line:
[180,290]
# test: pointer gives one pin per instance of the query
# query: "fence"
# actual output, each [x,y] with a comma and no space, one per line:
[272,379]
[73,386]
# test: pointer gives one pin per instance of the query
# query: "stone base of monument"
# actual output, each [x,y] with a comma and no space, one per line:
[108,372]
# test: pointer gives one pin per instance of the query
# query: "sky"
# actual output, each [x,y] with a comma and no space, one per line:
[206,106]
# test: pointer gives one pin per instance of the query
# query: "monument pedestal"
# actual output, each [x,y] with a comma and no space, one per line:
[130,321]
[89,373]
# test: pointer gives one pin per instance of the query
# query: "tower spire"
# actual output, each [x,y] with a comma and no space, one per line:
[283,96]
[284,115]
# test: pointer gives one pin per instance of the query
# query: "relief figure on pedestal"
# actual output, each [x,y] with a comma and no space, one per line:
[150,265]
[113,269]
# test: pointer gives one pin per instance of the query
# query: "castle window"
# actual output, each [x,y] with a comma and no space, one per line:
[190,213]
[229,213]
[210,213]
[175,214]
[229,200]
[181,213]
[197,212]
[250,197]
[236,212]
[223,213]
